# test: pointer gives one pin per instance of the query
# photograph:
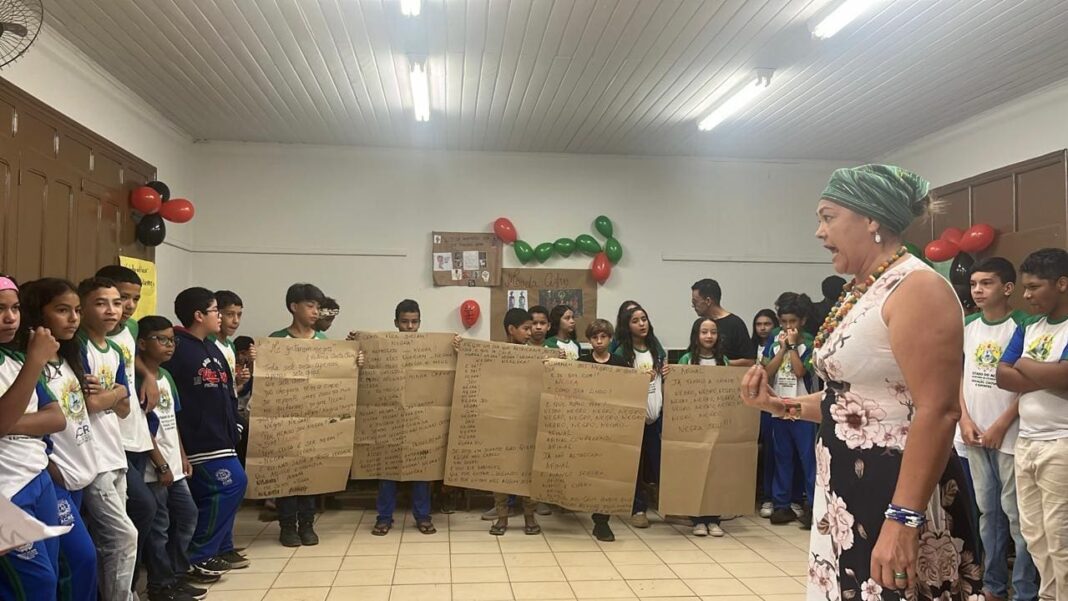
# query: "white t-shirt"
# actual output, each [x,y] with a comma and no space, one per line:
[707,361]
[227,349]
[984,344]
[72,449]
[571,348]
[1043,415]
[785,383]
[167,435]
[21,457]
[643,362]
[106,364]
[134,427]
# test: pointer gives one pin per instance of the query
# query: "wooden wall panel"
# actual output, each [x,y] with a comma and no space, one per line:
[993,203]
[956,212]
[1040,197]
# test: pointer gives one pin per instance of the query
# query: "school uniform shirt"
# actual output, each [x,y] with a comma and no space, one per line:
[22,457]
[1042,413]
[785,383]
[167,433]
[72,448]
[570,347]
[613,360]
[284,333]
[134,427]
[643,362]
[686,359]
[984,345]
[107,365]
[737,343]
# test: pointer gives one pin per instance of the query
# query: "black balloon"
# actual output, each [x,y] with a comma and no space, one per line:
[151,230]
[961,269]
[162,189]
[964,294]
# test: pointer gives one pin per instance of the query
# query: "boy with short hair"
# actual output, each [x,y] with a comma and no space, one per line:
[989,428]
[599,334]
[167,550]
[108,401]
[136,440]
[407,319]
[788,361]
[209,431]
[296,513]
[1035,364]
[539,325]
[231,308]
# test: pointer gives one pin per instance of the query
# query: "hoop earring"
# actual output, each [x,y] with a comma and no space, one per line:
[878,238]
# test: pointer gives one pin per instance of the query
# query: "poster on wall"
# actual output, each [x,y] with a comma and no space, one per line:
[525,288]
[465,259]
[146,270]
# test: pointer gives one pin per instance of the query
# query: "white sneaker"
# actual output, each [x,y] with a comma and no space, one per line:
[716,531]
[700,530]
[766,509]
[797,509]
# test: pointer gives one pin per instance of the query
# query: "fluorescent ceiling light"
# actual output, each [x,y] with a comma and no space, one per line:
[741,97]
[411,8]
[417,75]
[840,17]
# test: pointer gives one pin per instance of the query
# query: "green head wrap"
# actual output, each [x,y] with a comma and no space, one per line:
[890,195]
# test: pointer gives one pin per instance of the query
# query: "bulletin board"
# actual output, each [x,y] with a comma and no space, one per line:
[466,259]
[525,288]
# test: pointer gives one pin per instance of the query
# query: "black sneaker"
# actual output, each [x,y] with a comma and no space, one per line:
[806,518]
[288,536]
[603,532]
[236,560]
[783,515]
[212,566]
[307,535]
[196,577]
[193,591]
[168,594]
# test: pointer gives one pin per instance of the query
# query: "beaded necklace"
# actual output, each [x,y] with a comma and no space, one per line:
[849,297]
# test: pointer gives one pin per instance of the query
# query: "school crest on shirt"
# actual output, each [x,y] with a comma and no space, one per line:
[987,354]
[71,400]
[127,356]
[1040,347]
[165,400]
[107,377]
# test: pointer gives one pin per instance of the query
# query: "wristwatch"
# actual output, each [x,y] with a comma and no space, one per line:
[791,347]
[163,469]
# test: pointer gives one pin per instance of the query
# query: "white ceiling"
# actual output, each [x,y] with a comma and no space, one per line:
[585,76]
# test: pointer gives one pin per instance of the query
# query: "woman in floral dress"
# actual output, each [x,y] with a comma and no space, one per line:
[891,513]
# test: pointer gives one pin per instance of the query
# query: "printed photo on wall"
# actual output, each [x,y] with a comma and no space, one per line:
[517,299]
[572,297]
[442,261]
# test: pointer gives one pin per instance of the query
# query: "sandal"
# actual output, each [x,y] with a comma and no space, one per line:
[498,529]
[532,529]
[382,528]
[426,527]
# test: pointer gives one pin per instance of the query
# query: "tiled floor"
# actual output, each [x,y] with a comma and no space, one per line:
[463,562]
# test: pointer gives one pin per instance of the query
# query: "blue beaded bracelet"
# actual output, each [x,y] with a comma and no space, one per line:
[908,517]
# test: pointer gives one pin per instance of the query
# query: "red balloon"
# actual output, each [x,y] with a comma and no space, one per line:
[601,267]
[469,312]
[145,200]
[977,238]
[951,234]
[178,210]
[505,230]
[940,250]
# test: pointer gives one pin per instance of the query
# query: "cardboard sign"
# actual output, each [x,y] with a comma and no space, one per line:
[589,436]
[465,259]
[146,270]
[525,288]
[303,417]
[403,407]
[494,424]
[709,450]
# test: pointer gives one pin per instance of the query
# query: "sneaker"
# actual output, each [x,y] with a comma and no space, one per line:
[603,532]
[766,509]
[307,535]
[490,515]
[236,560]
[797,509]
[716,531]
[288,536]
[783,515]
[806,519]
[168,594]
[700,530]
[639,520]
[193,591]
[198,578]
[212,566]
[543,509]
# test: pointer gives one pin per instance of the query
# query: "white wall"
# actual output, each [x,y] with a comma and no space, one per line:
[1016,131]
[61,76]
[339,204]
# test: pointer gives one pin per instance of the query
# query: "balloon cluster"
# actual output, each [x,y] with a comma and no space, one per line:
[153,200]
[951,258]
[603,258]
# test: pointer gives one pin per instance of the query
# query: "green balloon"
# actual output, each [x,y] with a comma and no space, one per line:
[543,251]
[613,249]
[564,247]
[523,251]
[603,225]
[588,244]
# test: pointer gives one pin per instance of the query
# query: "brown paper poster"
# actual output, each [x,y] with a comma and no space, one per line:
[303,417]
[525,288]
[405,397]
[495,416]
[708,462]
[589,436]
[465,259]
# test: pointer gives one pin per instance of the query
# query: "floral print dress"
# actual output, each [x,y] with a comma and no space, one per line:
[867,410]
